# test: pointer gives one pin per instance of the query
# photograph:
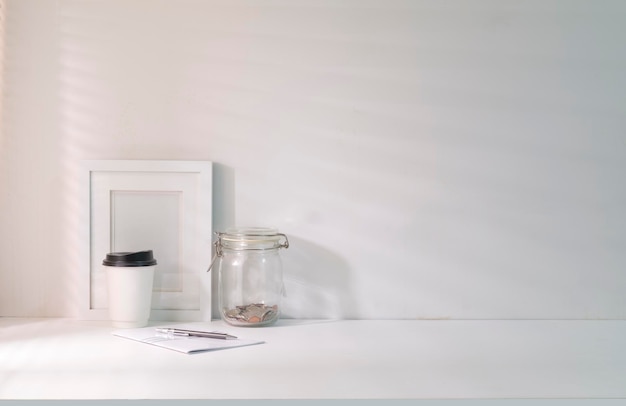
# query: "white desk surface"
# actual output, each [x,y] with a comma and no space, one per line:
[70,359]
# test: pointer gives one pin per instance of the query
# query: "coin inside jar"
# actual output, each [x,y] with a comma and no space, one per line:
[256,313]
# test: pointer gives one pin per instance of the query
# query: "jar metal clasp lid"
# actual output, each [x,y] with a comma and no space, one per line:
[219,247]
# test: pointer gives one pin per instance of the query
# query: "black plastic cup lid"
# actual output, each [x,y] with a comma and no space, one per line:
[138,258]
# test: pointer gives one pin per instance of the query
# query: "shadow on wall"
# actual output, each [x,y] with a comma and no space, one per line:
[317,282]
[223,196]
[223,215]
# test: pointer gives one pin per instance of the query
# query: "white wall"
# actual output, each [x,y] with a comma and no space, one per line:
[427,158]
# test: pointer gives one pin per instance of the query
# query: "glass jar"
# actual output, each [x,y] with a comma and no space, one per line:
[250,275]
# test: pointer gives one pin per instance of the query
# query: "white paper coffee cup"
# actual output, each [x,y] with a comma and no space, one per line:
[130,276]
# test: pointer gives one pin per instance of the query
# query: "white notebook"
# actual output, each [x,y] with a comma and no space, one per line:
[188,345]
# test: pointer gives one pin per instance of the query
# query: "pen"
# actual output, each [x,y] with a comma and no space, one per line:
[194,333]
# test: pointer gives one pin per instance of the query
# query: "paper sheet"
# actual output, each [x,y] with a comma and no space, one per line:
[188,345]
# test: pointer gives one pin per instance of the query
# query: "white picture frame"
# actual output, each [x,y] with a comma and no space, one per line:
[164,206]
